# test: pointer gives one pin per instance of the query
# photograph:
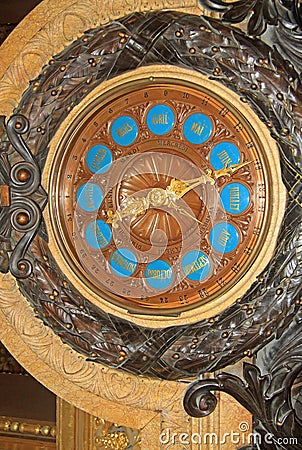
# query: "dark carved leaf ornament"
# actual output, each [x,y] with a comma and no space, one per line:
[267,393]
[271,87]
[259,13]
[282,18]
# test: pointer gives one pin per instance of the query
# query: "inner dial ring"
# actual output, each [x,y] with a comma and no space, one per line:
[150,173]
[162,197]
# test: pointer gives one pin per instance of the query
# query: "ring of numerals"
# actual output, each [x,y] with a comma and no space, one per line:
[162,195]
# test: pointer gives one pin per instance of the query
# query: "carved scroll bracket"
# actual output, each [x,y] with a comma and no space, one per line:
[24,200]
[269,391]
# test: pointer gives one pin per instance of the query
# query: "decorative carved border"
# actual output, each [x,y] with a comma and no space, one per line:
[53,25]
[134,401]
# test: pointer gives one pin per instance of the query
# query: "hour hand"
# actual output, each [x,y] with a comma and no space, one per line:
[133,207]
[183,211]
[227,171]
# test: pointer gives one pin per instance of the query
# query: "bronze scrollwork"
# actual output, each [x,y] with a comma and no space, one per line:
[27,198]
[269,390]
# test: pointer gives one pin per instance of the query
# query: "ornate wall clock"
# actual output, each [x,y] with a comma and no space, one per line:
[150,226]
[162,196]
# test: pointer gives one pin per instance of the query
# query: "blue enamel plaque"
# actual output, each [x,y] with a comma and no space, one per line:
[123,262]
[124,131]
[235,198]
[196,265]
[99,159]
[89,197]
[224,237]
[159,274]
[224,154]
[198,128]
[98,234]
[160,119]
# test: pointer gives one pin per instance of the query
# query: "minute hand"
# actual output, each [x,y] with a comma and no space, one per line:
[228,171]
[179,188]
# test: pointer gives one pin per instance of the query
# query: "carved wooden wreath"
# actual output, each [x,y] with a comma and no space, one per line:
[263,79]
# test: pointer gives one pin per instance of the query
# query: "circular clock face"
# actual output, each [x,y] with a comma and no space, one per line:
[160,195]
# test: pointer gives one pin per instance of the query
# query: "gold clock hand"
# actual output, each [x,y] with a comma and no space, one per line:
[133,206]
[180,187]
[112,218]
[227,171]
[183,211]
[136,206]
